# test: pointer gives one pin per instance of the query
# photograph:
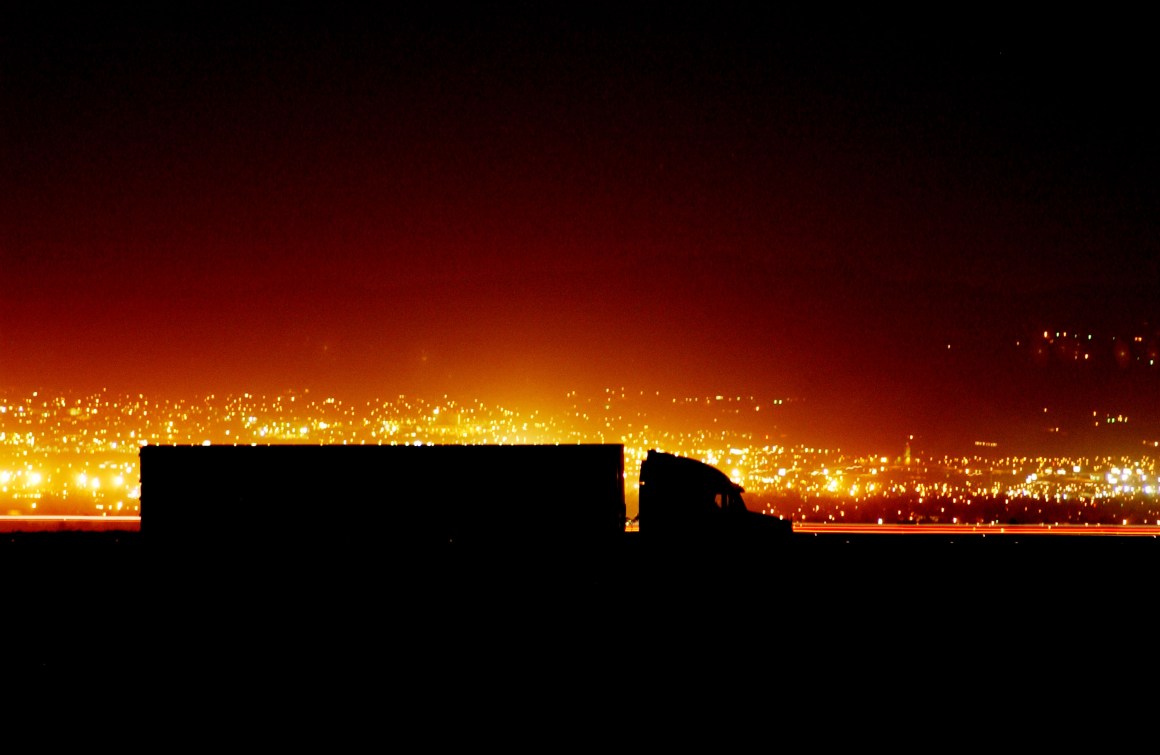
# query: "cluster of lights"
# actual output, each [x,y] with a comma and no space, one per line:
[81,453]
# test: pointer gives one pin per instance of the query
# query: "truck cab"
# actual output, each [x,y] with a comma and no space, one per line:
[685,499]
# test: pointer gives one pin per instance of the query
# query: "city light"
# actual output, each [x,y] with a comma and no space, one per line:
[90,443]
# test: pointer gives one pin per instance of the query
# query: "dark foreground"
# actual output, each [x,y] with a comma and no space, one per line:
[818,615]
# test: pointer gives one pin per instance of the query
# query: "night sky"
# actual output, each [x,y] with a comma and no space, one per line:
[513,203]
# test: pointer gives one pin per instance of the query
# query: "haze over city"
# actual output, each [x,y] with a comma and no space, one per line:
[941,232]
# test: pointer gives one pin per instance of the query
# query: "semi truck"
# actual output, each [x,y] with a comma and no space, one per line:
[424,567]
[426,506]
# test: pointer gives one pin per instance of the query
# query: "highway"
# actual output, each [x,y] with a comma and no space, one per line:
[41,523]
[1131,530]
[64,522]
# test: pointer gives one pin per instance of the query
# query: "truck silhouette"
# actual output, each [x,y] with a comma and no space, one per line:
[416,565]
[424,507]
